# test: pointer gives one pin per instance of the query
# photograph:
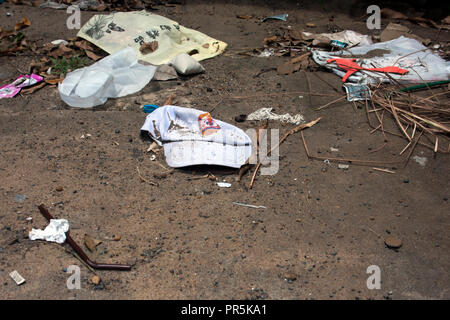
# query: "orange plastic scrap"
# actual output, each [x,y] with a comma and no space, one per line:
[351,67]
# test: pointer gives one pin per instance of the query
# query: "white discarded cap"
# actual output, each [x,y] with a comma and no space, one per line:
[193,137]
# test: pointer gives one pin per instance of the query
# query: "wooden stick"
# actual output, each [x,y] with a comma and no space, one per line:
[383,170]
[331,102]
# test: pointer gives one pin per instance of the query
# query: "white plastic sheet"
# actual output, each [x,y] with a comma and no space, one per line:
[409,54]
[115,76]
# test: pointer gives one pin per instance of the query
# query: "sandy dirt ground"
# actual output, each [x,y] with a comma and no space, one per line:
[322,226]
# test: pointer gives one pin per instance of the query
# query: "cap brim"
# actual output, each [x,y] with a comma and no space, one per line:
[190,153]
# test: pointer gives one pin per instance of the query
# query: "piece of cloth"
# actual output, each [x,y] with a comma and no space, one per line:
[350,66]
[54,232]
[193,137]
[118,30]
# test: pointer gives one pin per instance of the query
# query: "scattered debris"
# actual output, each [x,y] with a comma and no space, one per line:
[298,128]
[349,37]
[80,251]
[18,279]
[224,184]
[267,114]
[249,205]
[114,76]
[343,166]
[127,30]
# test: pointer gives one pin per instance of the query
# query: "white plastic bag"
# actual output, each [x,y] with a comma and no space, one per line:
[115,76]
[186,65]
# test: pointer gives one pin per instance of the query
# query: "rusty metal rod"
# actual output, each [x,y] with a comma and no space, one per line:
[80,251]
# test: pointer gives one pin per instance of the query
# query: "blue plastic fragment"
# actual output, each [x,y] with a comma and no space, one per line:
[278,17]
[149,108]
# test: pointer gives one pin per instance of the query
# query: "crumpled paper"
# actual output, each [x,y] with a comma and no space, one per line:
[54,232]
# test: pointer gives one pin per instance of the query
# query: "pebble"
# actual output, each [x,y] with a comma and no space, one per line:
[393,242]
[20,198]
[116,238]
[59,189]
[406,180]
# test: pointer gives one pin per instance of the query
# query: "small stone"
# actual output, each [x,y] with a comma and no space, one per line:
[393,242]
[406,180]
[116,237]
[95,280]
[59,188]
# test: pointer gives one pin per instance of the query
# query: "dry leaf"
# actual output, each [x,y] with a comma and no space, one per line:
[246,17]
[22,24]
[90,242]
[270,39]
[148,47]
[83,45]
[60,51]
[33,88]
[53,81]
[92,55]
